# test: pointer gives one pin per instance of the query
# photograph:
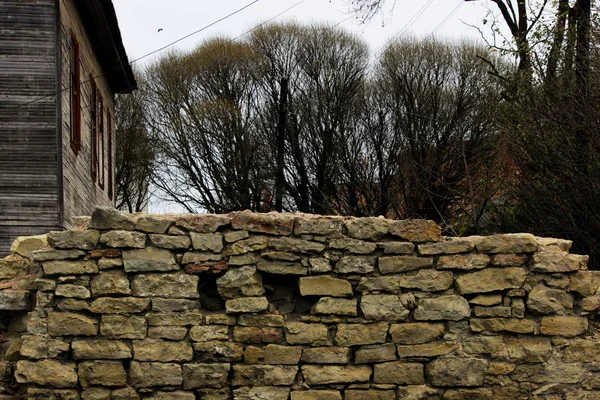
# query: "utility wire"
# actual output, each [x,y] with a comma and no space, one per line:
[142,57]
[460,3]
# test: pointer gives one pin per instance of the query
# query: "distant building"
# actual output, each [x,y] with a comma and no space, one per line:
[61,63]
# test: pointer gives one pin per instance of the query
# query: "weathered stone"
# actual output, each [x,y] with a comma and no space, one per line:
[102,373]
[74,291]
[261,320]
[257,335]
[370,395]
[174,305]
[243,281]
[50,394]
[84,240]
[162,350]
[417,392]
[205,375]
[548,373]
[361,334]
[100,253]
[165,285]
[176,395]
[544,300]
[303,333]
[234,236]
[508,260]
[353,245]
[202,223]
[246,305]
[149,259]
[370,228]
[454,371]
[171,242]
[37,347]
[258,393]
[416,333]
[209,333]
[469,394]
[120,305]
[486,300]
[281,267]
[272,224]
[281,256]
[529,349]
[500,368]
[427,280]
[383,307]
[70,267]
[552,262]
[502,324]
[263,375]
[26,245]
[123,239]
[96,393]
[47,373]
[125,393]
[427,349]
[328,374]
[463,261]
[319,264]
[296,245]
[100,350]
[109,218]
[253,243]
[244,259]
[388,284]
[483,345]
[200,258]
[399,373]
[326,355]
[577,351]
[113,282]
[396,264]
[218,351]
[15,300]
[108,263]
[493,312]
[316,395]
[49,255]
[507,243]
[451,307]
[586,283]
[167,332]
[355,265]
[123,327]
[397,247]
[273,354]
[67,304]
[152,223]
[447,246]
[212,242]
[174,319]
[148,374]
[553,244]
[70,324]
[324,286]
[331,305]
[322,226]
[416,230]
[208,268]
[490,280]
[563,326]
[375,353]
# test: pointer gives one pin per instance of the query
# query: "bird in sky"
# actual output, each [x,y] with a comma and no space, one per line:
[160,30]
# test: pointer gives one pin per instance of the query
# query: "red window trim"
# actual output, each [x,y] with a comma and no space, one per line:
[75,93]
[109,153]
[100,141]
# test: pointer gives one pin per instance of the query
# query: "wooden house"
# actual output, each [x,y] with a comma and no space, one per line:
[61,64]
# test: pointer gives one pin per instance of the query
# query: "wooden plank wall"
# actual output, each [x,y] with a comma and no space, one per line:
[81,193]
[29,202]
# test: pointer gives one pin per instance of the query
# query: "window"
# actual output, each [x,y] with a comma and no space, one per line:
[94,127]
[109,152]
[100,140]
[75,94]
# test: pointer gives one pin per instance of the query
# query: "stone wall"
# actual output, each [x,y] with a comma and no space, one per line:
[281,306]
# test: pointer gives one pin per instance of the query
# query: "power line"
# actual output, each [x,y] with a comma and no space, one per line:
[144,56]
[460,3]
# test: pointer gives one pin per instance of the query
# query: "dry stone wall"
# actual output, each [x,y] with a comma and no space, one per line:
[281,306]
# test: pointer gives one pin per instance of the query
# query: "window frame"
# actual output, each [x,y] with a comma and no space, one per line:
[101,125]
[75,93]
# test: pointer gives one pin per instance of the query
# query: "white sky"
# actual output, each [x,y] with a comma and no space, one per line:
[140,20]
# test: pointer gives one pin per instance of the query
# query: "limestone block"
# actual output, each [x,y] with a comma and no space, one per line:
[491,280]
[26,245]
[545,300]
[281,256]
[123,327]
[294,245]
[49,255]
[335,374]
[553,262]
[174,305]
[390,284]
[316,395]
[272,320]
[416,333]
[273,354]
[586,283]
[167,332]
[370,228]
[336,306]
[507,243]
[246,305]
[253,243]
[235,236]
[47,373]
[427,280]
[353,245]
[119,305]
[463,261]
[514,325]
[170,242]
[174,319]
[469,394]
[355,265]
[15,300]
[100,349]
[397,247]
[508,260]
[149,374]
[454,371]
[102,373]
[109,218]
[205,375]
[218,351]
[281,267]
[399,373]
[202,223]
[238,282]
[72,291]
[548,373]
[258,393]
[162,350]
[119,239]
[126,393]
[563,326]
[84,240]
[263,375]
[324,286]
[303,333]
[397,264]
[37,347]
[484,345]
[427,349]
[176,395]
[175,286]
[453,308]
[207,333]
[361,334]
[375,354]
[321,226]
[200,258]
[71,324]
[577,351]
[148,260]
[370,395]
[447,245]
[153,223]
[110,282]
[212,242]
[250,334]
[70,267]
[416,230]
[326,355]
[386,307]
[272,224]
[529,349]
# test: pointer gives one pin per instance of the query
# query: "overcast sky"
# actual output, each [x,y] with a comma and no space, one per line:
[140,20]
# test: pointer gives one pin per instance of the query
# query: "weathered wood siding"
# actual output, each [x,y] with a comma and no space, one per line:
[81,192]
[29,195]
